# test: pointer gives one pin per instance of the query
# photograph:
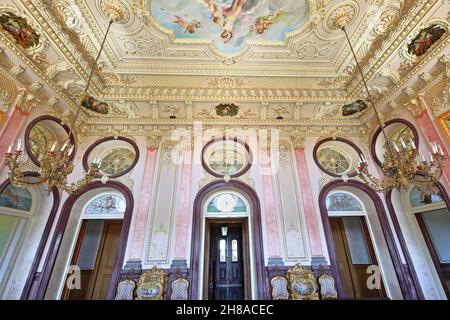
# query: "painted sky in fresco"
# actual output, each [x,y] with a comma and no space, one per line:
[230,23]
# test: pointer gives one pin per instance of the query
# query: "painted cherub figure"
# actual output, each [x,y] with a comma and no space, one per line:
[215,10]
[188,27]
[263,22]
[227,15]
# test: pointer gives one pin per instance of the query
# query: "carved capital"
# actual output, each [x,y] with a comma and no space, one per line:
[153,142]
[416,106]
[298,141]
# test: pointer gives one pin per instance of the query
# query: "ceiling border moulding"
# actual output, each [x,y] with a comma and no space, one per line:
[412,73]
[36,69]
[396,37]
[62,42]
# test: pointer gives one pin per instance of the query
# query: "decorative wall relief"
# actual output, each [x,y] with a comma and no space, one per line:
[226,83]
[316,50]
[226,110]
[126,109]
[19,29]
[294,242]
[425,39]
[142,46]
[4,100]
[164,202]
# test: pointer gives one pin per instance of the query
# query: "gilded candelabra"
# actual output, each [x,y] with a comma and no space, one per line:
[405,166]
[55,167]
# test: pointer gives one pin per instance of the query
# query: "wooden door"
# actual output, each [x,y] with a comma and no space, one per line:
[95,283]
[353,268]
[106,259]
[226,280]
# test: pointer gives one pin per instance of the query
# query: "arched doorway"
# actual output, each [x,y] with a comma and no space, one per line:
[223,258]
[422,214]
[380,235]
[67,232]
[96,248]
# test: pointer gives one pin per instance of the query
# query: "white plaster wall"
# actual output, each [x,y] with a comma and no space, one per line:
[294,236]
[161,222]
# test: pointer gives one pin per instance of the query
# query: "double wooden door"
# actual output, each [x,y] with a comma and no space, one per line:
[226,267]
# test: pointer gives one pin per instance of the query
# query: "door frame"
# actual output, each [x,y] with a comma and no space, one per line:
[425,236]
[432,250]
[209,222]
[60,229]
[256,221]
[387,233]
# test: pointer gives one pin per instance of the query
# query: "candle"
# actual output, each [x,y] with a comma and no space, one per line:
[403,143]
[431,157]
[9,149]
[64,146]
[440,150]
[71,150]
[412,143]
[19,145]
[53,147]
[395,147]
[422,157]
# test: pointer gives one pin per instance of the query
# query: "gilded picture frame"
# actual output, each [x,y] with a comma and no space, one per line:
[444,123]
[302,284]
[152,285]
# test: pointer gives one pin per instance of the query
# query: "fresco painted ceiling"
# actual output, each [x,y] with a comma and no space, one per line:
[230,24]
[274,58]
